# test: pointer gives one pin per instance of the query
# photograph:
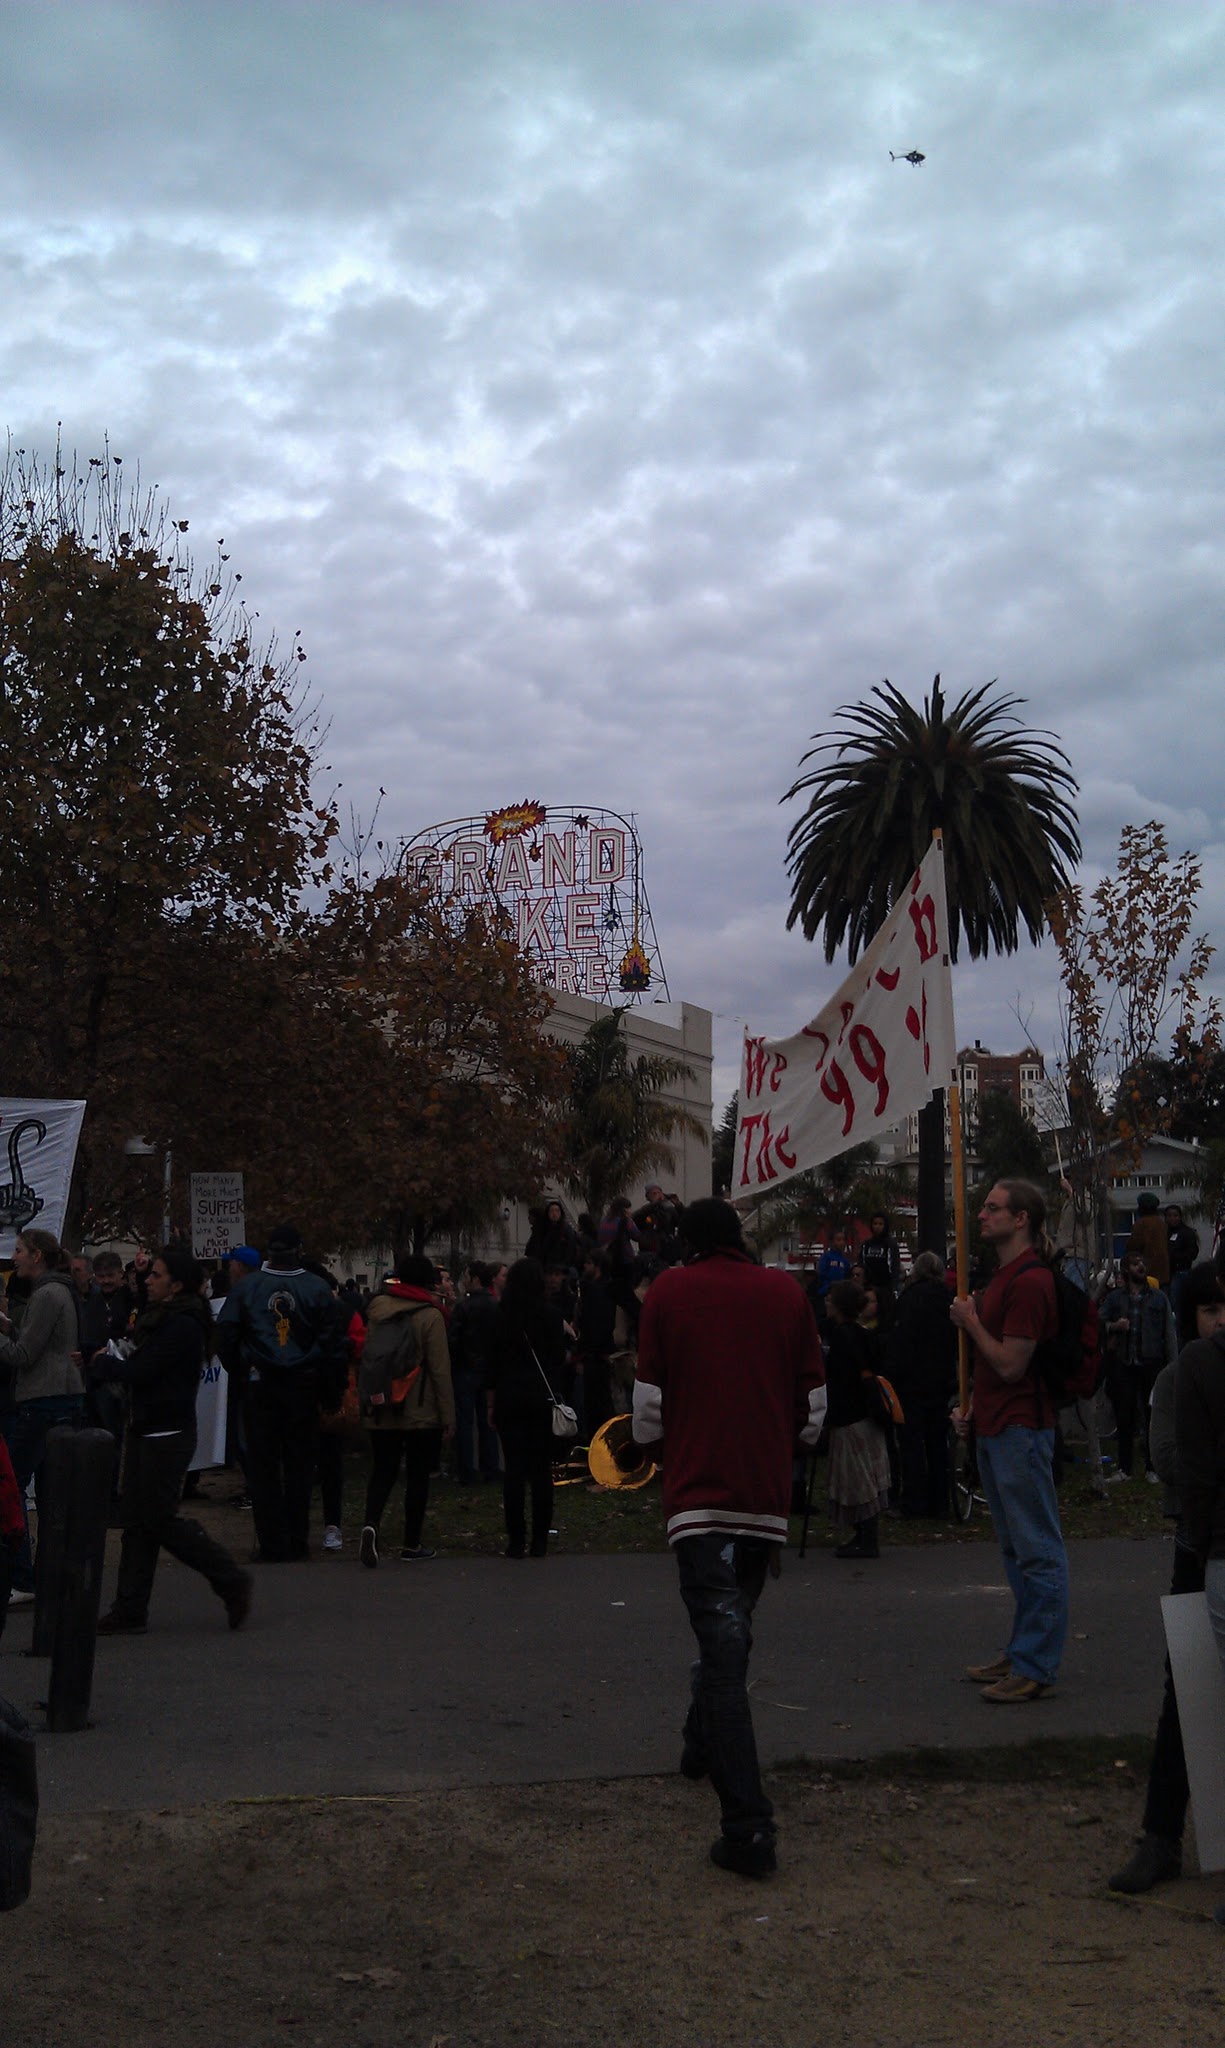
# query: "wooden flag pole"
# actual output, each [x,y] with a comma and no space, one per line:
[959,1224]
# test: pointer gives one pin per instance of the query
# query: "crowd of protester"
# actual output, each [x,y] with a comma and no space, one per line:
[121,1347]
[494,1351]
[464,1376]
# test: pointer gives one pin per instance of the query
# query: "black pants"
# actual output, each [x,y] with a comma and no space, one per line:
[1130,1388]
[721,1582]
[925,1459]
[527,1456]
[476,1444]
[1165,1811]
[419,1449]
[153,1474]
[281,1419]
[597,1391]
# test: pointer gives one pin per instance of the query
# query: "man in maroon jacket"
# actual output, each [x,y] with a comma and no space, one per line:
[729,1378]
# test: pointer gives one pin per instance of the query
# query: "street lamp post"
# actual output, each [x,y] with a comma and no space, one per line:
[140,1148]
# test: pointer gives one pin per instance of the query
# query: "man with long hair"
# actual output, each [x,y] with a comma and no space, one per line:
[1013,1416]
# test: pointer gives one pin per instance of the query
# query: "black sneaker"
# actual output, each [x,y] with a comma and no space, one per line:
[368,1548]
[113,1624]
[1154,1857]
[749,1856]
[417,1556]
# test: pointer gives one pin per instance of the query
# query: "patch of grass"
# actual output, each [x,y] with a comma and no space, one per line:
[468,1519]
[1048,1759]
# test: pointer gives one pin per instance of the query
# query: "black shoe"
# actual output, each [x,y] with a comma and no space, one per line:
[419,1555]
[113,1624]
[512,1551]
[368,1548]
[693,1763]
[851,1548]
[1154,1857]
[238,1602]
[749,1857]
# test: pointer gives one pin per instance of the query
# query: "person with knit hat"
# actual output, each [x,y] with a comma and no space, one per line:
[277,1335]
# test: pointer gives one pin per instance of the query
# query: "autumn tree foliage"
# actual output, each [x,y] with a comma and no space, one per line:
[1132,979]
[456,1079]
[156,793]
[183,947]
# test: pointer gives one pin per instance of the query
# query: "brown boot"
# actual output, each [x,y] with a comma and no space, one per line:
[986,1674]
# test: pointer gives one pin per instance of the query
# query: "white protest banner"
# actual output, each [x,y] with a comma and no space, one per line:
[212,1397]
[876,1052]
[39,1141]
[1199,1684]
[218,1214]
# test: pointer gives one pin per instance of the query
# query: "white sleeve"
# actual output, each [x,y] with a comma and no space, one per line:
[648,1413]
[818,1402]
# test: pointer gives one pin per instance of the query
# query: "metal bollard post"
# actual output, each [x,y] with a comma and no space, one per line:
[89,1458]
[54,1493]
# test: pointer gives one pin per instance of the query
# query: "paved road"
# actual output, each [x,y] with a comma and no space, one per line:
[479,1671]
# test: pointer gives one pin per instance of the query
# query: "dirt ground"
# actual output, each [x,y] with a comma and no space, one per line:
[904,1913]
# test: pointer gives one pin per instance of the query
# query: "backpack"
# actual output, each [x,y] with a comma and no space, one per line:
[1069,1364]
[390,1365]
[884,1408]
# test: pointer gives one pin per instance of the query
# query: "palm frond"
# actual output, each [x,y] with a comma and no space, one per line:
[1002,794]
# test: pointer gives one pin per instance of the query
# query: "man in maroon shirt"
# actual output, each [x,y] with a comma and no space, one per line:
[1013,1418]
[729,1378]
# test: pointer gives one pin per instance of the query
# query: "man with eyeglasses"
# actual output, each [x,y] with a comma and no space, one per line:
[1013,1418]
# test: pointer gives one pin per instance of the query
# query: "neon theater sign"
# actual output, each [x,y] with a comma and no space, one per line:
[570,883]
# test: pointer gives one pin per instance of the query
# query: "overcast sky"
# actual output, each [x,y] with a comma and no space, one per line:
[607,408]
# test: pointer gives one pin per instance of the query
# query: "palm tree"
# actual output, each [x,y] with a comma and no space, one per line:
[1000,793]
[855,1183]
[618,1120]
[885,779]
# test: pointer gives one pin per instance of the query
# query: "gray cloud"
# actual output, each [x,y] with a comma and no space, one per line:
[608,410]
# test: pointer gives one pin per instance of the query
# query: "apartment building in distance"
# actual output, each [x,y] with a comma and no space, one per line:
[980,1072]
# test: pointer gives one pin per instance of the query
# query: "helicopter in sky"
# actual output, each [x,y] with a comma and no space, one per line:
[912,156]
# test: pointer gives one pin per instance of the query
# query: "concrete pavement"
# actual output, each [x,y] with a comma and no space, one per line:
[472,1671]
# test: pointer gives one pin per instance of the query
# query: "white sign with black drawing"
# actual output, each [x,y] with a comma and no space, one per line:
[38,1149]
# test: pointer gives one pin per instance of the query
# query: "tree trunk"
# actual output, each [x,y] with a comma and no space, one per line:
[930,1196]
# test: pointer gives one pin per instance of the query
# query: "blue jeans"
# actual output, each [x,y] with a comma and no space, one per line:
[721,1582]
[1015,1468]
[472,1433]
[25,1433]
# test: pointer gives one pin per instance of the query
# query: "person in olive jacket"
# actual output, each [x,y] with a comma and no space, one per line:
[415,1430]
[171,1340]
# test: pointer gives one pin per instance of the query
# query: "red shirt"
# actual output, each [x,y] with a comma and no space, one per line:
[730,1375]
[12,1521]
[1019,1301]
